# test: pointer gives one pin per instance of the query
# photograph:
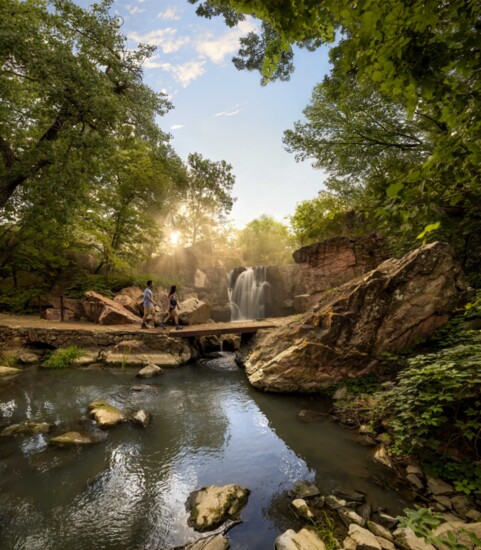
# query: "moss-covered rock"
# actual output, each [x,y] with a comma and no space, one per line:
[72,439]
[211,506]
[106,415]
[27,428]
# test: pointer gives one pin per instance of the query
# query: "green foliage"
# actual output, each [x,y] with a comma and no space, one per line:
[16,300]
[205,199]
[62,358]
[465,476]
[325,216]
[436,402]
[8,360]
[421,520]
[456,331]
[265,241]
[114,283]
[68,84]
[367,384]
[325,529]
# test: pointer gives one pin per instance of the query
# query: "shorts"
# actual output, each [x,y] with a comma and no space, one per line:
[149,310]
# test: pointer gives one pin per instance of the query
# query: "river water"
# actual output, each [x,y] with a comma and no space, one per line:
[129,491]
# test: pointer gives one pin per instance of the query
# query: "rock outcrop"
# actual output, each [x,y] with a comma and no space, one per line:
[335,261]
[399,303]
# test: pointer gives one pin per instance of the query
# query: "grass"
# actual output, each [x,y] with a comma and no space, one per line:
[61,358]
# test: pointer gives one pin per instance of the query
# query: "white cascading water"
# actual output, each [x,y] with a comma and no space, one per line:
[249,294]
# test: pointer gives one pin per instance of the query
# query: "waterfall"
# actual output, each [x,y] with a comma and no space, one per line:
[249,293]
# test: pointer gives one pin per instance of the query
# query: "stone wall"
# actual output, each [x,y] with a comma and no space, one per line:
[24,337]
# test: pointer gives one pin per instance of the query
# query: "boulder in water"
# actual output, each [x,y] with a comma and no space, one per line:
[211,506]
[306,539]
[141,418]
[27,428]
[106,415]
[72,439]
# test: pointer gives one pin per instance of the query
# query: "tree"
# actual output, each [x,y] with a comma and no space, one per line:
[265,241]
[68,83]
[206,199]
[129,201]
[325,216]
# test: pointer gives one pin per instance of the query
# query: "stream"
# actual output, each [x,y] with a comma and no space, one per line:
[129,491]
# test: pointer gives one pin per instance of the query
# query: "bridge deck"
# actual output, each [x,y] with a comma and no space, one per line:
[234,327]
[212,329]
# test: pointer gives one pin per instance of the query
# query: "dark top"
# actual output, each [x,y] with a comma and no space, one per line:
[172,302]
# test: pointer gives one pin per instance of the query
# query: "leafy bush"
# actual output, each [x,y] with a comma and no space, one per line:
[465,476]
[8,360]
[16,300]
[456,331]
[423,521]
[61,358]
[436,402]
[116,282]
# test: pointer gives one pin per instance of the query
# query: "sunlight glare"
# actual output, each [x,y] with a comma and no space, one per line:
[174,238]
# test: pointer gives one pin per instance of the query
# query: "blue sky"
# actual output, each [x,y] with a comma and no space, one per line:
[222,113]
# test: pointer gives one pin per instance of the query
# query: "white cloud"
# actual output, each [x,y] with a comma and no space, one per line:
[134,9]
[187,72]
[184,73]
[170,14]
[229,112]
[217,49]
[177,126]
[164,38]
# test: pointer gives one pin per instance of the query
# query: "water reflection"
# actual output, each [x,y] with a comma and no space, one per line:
[129,491]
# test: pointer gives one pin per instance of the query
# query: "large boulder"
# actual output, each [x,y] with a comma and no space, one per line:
[211,506]
[335,261]
[305,539]
[394,306]
[106,415]
[105,311]
[193,312]
[133,305]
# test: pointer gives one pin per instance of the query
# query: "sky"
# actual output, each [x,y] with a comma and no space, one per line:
[223,113]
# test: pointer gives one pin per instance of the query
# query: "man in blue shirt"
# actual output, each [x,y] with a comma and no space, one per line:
[149,306]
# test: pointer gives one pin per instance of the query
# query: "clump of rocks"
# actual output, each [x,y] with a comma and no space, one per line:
[344,519]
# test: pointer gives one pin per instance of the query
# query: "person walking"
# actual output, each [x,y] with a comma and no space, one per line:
[173,312]
[149,306]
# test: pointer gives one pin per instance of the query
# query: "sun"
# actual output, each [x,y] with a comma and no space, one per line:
[174,238]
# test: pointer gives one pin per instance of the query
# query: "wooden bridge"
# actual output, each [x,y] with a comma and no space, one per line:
[214,329]
[25,322]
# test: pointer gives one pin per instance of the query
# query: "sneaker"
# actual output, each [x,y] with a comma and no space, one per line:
[178,327]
